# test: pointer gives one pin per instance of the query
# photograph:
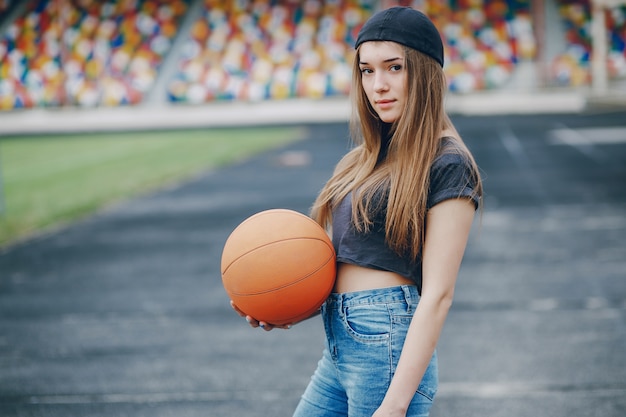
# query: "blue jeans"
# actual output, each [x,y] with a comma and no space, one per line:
[365,332]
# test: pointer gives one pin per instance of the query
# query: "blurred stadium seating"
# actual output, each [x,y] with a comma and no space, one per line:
[263,50]
[91,53]
[86,53]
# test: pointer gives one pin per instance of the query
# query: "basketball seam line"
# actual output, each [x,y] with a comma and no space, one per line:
[320,301]
[271,243]
[286,285]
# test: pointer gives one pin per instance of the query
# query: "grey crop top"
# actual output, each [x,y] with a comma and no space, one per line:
[450,177]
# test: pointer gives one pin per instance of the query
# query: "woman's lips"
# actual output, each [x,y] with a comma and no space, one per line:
[385,104]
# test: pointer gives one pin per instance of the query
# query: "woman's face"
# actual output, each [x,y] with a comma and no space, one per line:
[384,78]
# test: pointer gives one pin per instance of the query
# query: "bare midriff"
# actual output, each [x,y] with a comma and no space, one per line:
[352,278]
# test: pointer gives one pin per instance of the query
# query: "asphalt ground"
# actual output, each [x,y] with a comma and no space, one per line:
[123,314]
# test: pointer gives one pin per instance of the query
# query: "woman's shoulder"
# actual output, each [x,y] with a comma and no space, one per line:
[453,174]
[450,152]
[453,163]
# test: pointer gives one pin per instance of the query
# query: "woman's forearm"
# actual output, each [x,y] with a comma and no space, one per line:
[419,345]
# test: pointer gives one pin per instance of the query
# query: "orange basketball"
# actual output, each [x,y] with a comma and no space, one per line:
[278,266]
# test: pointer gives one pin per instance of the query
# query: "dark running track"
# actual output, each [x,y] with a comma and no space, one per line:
[123,314]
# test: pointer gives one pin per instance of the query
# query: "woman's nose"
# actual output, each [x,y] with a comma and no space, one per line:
[380,82]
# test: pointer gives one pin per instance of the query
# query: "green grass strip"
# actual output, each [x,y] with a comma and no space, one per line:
[50,180]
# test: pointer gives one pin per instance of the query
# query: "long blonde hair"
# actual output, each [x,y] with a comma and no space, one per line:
[403,175]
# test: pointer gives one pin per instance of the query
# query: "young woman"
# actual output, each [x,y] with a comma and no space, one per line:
[400,206]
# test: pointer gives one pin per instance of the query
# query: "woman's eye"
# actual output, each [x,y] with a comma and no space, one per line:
[366,71]
[396,67]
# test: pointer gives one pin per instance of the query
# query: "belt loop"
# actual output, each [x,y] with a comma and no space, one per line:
[408,298]
[340,305]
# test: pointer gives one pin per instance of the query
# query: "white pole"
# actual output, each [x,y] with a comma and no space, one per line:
[599,78]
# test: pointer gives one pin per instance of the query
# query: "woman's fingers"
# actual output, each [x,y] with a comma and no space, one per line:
[255,323]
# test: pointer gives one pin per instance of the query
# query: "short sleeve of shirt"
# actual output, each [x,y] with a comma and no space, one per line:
[451,176]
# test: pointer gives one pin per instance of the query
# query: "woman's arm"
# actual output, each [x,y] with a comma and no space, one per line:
[449,224]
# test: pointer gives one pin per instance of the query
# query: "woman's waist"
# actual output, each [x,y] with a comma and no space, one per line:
[351,278]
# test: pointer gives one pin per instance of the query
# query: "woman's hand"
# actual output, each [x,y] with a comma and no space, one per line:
[389,412]
[255,323]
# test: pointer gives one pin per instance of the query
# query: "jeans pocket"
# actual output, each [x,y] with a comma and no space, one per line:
[368,323]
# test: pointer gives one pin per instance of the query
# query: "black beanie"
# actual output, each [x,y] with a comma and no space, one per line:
[405,26]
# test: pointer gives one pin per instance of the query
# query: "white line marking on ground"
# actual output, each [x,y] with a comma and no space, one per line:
[544,304]
[156,397]
[588,136]
[526,389]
